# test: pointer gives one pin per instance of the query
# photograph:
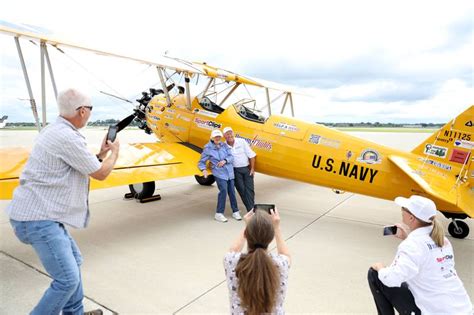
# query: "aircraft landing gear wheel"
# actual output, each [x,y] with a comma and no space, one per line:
[458,229]
[205,181]
[142,190]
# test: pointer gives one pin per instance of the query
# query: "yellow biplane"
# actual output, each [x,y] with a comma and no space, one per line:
[440,168]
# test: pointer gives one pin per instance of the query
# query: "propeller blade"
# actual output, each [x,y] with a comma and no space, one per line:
[125,122]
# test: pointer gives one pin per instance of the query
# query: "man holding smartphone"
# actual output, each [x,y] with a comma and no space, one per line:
[244,167]
[53,194]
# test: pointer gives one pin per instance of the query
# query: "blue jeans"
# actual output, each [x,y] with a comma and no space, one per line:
[225,186]
[61,258]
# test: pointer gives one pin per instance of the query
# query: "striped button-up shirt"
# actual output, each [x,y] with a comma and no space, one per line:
[55,182]
[214,154]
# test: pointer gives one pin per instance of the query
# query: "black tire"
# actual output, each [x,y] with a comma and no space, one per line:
[142,190]
[205,181]
[461,232]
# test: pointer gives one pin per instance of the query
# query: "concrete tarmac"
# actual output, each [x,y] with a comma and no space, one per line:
[165,257]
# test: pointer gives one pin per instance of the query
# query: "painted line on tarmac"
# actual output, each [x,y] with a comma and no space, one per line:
[319,217]
[293,235]
[45,274]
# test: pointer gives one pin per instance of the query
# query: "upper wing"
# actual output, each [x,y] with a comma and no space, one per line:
[138,163]
[15,32]
[174,64]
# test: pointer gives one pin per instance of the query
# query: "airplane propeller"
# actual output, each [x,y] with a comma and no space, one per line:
[139,112]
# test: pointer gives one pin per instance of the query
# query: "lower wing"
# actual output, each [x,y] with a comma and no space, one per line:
[138,163]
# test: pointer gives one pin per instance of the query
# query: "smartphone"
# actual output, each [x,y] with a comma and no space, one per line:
[390,230]
[264,207]
[112,133]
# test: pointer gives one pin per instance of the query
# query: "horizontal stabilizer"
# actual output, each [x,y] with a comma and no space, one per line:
[441,186]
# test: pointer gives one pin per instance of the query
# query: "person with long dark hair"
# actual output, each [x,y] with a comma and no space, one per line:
[257,280]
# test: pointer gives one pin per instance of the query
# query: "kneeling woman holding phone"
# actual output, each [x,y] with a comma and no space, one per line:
[257,280]
[421,278]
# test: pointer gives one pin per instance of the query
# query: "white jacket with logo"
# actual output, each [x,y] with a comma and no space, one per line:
[430,274]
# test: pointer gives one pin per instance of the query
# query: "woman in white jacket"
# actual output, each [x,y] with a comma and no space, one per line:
[421,278]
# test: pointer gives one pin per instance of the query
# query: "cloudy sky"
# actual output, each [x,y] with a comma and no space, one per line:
[386,61]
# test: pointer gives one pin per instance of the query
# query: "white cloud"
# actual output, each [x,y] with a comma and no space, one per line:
[366,48]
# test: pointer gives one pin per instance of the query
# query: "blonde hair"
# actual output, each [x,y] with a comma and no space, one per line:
[259,279]
[69,100]
[437,235]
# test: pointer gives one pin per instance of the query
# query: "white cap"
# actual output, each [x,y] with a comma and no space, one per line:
[216,133]
[421,207]
[228,129]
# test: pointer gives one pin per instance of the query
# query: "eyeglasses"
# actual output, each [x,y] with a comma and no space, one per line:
[89,107]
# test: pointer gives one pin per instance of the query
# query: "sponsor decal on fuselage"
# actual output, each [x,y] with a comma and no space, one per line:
[153,117]
[205,113]
[175,128]
[443,166]
[369,156]
[285,126]
[207,124]
[257,143]
[182,117]
[435,150]
[468,123]
[317,139]
[346,169]
[464,144]
[459,156]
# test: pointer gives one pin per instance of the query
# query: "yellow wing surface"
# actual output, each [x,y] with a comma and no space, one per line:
[448,191]
[138,163]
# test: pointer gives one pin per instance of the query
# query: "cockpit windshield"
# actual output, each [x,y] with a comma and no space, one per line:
[209,105]
[246,109]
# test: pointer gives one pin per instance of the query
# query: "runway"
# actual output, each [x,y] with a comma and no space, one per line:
[165,257]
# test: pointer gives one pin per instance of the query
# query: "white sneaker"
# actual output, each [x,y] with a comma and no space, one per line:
[220,217]
[236,215]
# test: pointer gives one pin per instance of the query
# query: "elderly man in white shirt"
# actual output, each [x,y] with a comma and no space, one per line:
[244,167]
[53,194]
[421,278]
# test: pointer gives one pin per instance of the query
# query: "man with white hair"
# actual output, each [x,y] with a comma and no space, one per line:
[244,167]
[220,159]
[53,193]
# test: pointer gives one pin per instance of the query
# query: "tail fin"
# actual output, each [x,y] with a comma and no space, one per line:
[451,147]
[5,117]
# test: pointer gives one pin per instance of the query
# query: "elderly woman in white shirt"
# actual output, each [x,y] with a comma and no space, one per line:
[421,278]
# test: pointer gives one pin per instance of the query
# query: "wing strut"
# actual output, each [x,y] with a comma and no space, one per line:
[51,74]
[268,102]
[43,87]
[207,87]
[230,92]
[291,104]
[284,103]
[28,85]
[163,84]
[188,92]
